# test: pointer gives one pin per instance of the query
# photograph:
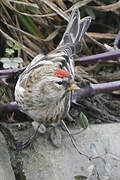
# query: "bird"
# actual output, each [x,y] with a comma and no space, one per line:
[43,91]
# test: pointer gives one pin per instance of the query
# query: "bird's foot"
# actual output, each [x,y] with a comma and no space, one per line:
[69,118]
[28,143]
[38,128]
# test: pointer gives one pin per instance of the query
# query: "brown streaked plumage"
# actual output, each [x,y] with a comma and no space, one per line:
[43,89]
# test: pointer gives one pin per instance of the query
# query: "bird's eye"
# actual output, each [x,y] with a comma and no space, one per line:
[59,82]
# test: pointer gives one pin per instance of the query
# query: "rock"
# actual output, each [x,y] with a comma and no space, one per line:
[47,162]
[6,171]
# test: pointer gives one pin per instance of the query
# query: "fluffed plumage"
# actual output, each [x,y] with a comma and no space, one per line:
[43,90]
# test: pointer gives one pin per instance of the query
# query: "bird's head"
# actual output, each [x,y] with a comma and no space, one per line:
[59,85]
[55,86]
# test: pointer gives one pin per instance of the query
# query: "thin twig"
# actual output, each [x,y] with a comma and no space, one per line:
[73,141]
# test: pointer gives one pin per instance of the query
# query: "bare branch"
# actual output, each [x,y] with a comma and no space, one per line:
[111,55]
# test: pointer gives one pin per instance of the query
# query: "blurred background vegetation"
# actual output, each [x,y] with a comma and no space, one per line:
[30,27]
[37,25]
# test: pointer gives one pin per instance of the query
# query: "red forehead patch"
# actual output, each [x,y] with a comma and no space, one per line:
[62,73]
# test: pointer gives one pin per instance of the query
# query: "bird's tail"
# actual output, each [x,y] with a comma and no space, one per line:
[75,30]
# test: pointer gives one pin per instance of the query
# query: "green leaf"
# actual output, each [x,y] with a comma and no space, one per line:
[107,166]
[83,120]
[11,62]
[90,12]
[14,64]
[114,156]
[33,9]
[9,51]
[18,59]
[6,65]
[1,10]
[93,149]
[17,47]
[10,43]
[55,136]
[5,60]
[77,1]
[80,177]
[28,23]
[91,169]
[107,146]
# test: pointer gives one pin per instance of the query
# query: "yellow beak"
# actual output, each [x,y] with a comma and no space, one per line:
[73,87]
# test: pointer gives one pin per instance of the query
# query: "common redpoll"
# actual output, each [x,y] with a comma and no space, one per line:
[43,90]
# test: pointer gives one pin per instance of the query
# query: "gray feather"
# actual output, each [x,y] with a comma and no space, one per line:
[75,30]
